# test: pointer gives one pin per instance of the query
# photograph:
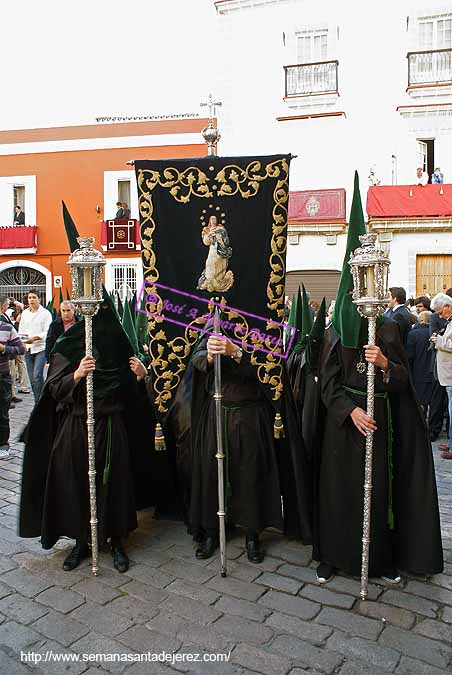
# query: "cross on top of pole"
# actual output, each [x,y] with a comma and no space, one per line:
[211,104]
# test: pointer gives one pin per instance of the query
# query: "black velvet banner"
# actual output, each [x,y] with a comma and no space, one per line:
[214,229]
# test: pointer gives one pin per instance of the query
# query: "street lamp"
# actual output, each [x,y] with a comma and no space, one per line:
[86,265]
[370,269]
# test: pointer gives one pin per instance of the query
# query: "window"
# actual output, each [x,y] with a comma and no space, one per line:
[426,155]
[19,196]
[312,46]
[435,33]
[124,192]
[124,276]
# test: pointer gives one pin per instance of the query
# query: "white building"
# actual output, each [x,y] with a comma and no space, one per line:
[345,86]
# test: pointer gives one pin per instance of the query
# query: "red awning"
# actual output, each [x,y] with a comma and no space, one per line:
[404,201]
[317,205]
[18,236]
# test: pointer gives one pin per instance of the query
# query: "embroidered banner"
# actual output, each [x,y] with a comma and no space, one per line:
[315,205]
[404,201]
[120,235]
[214,227]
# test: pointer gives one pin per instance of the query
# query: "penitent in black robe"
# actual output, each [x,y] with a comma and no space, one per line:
[261,473]
[414,543]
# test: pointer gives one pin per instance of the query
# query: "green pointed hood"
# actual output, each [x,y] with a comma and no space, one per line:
[349,325]
[71,230]
[128,325]
[292,319]
[68,297]
[50,305]
[299,310]
[61,296]
[119,305]
[307,319]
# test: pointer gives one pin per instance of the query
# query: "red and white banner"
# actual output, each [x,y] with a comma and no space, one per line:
[120,235]
[317,205]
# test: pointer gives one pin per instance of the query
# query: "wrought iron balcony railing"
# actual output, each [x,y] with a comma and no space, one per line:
[429,67]
[312,78]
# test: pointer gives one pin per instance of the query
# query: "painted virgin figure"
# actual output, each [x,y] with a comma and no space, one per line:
[216,276]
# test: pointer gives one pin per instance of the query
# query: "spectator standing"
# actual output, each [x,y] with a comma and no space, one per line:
[422,304]
[34,325]
[21,375]
[438,402]
[4,305]
[60,325]
[398,312]
[125,211]
[443,345]
[421,176]
[437,177]
[420,358]
[19,216]
[10,347]
[119,212]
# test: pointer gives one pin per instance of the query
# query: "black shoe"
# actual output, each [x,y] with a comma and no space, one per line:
[75,557]
[206,548]
[325,572]
[253,550]
[391,576]
[121,561]
[16,400]
[11,407]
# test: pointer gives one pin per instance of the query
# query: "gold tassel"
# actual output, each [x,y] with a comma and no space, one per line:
[411,191]
[159,438]
[278,427]
[441,191]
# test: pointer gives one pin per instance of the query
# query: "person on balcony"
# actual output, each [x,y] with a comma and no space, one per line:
[19,216]
[125,210]
[120,211]
[421,176]
[437,177]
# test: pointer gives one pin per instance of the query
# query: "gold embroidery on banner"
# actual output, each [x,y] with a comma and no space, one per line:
[168,358]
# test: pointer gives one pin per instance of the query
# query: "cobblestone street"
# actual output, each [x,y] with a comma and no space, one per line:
[273,618]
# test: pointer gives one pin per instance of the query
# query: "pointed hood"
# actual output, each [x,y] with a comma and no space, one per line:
[348,324]
[307,319]
[299,316]
[119,305]
[128,325]
[141,324]
[71,230]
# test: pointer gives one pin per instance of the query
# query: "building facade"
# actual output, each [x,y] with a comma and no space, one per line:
[86,166]
[344,86]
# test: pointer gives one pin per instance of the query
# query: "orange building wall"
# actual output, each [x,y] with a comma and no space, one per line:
[77,177]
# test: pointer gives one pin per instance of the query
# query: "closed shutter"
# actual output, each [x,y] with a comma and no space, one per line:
[318,283]
[433,274]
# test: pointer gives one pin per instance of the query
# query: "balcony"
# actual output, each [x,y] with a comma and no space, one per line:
[16,239]
[429,70]
[121,234]
[417,208]
[312,79]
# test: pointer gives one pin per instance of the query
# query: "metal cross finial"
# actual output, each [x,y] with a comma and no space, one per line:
[211,103]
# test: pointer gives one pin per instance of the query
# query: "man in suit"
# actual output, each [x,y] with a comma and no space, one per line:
[398,312]
[19,216]
[443,345]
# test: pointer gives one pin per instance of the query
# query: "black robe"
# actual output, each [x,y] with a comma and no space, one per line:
[55,488]
[414,545]
[259,470]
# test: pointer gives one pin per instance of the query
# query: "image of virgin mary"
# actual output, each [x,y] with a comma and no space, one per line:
[216,276]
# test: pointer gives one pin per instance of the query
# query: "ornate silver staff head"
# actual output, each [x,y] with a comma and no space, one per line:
[370,269]
[86,265]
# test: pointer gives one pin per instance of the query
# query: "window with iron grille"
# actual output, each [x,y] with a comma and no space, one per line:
[124,279]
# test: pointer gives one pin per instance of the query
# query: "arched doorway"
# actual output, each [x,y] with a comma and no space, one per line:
[16,281]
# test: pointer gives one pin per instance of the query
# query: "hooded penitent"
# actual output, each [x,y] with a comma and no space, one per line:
[405,527]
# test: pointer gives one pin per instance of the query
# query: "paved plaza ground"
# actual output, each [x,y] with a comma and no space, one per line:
[272,618]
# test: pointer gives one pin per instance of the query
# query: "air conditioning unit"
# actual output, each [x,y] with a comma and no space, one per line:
[294,239]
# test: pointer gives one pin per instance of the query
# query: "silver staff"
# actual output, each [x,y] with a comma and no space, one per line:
[370,267]
[220,451]
[86,266]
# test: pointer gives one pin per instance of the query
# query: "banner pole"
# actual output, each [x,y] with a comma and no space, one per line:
[220,451]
